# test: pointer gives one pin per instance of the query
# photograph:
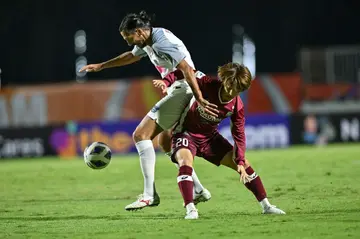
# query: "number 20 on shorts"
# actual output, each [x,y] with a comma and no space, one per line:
[182,142]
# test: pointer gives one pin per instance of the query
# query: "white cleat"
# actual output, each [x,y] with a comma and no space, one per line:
[273,210]
[203,196]
[143,201]
[191,212]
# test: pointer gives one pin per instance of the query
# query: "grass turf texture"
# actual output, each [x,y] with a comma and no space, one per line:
[319,188]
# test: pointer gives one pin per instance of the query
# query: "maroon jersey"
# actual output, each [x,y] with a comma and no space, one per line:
[202,126]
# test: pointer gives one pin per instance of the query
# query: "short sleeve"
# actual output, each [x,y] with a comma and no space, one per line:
[171,50]
[137,51]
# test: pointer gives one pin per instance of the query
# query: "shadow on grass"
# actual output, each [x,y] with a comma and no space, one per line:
[161,216]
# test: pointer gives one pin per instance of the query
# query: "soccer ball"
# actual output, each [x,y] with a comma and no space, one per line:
[97,155]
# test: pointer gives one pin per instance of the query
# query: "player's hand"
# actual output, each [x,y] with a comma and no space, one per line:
[244,177]
[160,84]
[209,108]
[92,68]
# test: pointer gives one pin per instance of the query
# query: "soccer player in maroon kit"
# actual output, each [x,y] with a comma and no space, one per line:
[196,134]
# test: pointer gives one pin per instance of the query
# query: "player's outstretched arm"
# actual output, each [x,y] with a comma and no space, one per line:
[238,134]
[124,59]
[191,79]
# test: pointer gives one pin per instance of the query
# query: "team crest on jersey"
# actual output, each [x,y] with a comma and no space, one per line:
[206,116]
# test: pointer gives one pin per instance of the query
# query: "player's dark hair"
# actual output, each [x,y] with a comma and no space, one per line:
[133,20]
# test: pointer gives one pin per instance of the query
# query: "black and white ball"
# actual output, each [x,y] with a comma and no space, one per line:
[97,155]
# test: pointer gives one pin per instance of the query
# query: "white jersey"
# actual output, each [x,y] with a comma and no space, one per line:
[166,52]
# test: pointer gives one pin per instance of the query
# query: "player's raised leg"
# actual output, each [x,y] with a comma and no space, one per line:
[255,184]
[201,194]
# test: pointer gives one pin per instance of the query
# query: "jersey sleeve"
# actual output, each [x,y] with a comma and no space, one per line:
[172,77]
[137,51]
[238,134]
[170,49]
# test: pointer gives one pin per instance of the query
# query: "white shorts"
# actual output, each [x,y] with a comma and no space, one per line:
[168,110]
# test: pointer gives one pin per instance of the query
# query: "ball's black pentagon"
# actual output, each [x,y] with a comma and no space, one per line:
[97,149]
[108,155]
[99,164]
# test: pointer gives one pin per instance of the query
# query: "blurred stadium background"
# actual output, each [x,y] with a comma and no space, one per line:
[303,113]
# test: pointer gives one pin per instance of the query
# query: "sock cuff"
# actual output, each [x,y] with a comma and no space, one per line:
[182,178]
[264,203]
[249,170]
[144,144]
[185,170]
[252,174]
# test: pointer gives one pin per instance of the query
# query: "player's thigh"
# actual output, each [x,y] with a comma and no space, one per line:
[183,149]
[229,162]
[168,110]
[164,140]
[215,149]
[148,129]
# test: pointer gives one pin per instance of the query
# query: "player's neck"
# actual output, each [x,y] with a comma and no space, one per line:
[221,98]
[148,37]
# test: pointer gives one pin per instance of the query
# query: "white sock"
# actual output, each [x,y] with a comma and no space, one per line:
[190,206]
[198,187]
[147,155]
[265,203]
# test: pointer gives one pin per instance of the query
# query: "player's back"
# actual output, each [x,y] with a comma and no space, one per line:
[196,121]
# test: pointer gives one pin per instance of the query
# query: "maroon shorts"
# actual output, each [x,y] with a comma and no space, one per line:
[213,148]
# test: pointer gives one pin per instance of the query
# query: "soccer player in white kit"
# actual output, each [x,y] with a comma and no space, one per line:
[170,56]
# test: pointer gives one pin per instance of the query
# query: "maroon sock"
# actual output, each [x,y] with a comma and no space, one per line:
[186,184]
[255,186]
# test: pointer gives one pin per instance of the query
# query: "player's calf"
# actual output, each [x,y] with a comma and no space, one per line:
[186,185]
[256,186]
[185,181]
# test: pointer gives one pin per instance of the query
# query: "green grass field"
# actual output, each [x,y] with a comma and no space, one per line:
[319,188]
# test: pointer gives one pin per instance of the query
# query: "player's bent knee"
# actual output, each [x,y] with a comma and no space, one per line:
[184,157]
[146,130]
[138,135]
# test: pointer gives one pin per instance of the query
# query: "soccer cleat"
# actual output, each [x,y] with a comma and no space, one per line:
[143,201]
[203,196]
[273,210]
[191,212]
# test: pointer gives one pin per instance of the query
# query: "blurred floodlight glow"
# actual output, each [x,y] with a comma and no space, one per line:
[249,55]
[80,41]
[80,62]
